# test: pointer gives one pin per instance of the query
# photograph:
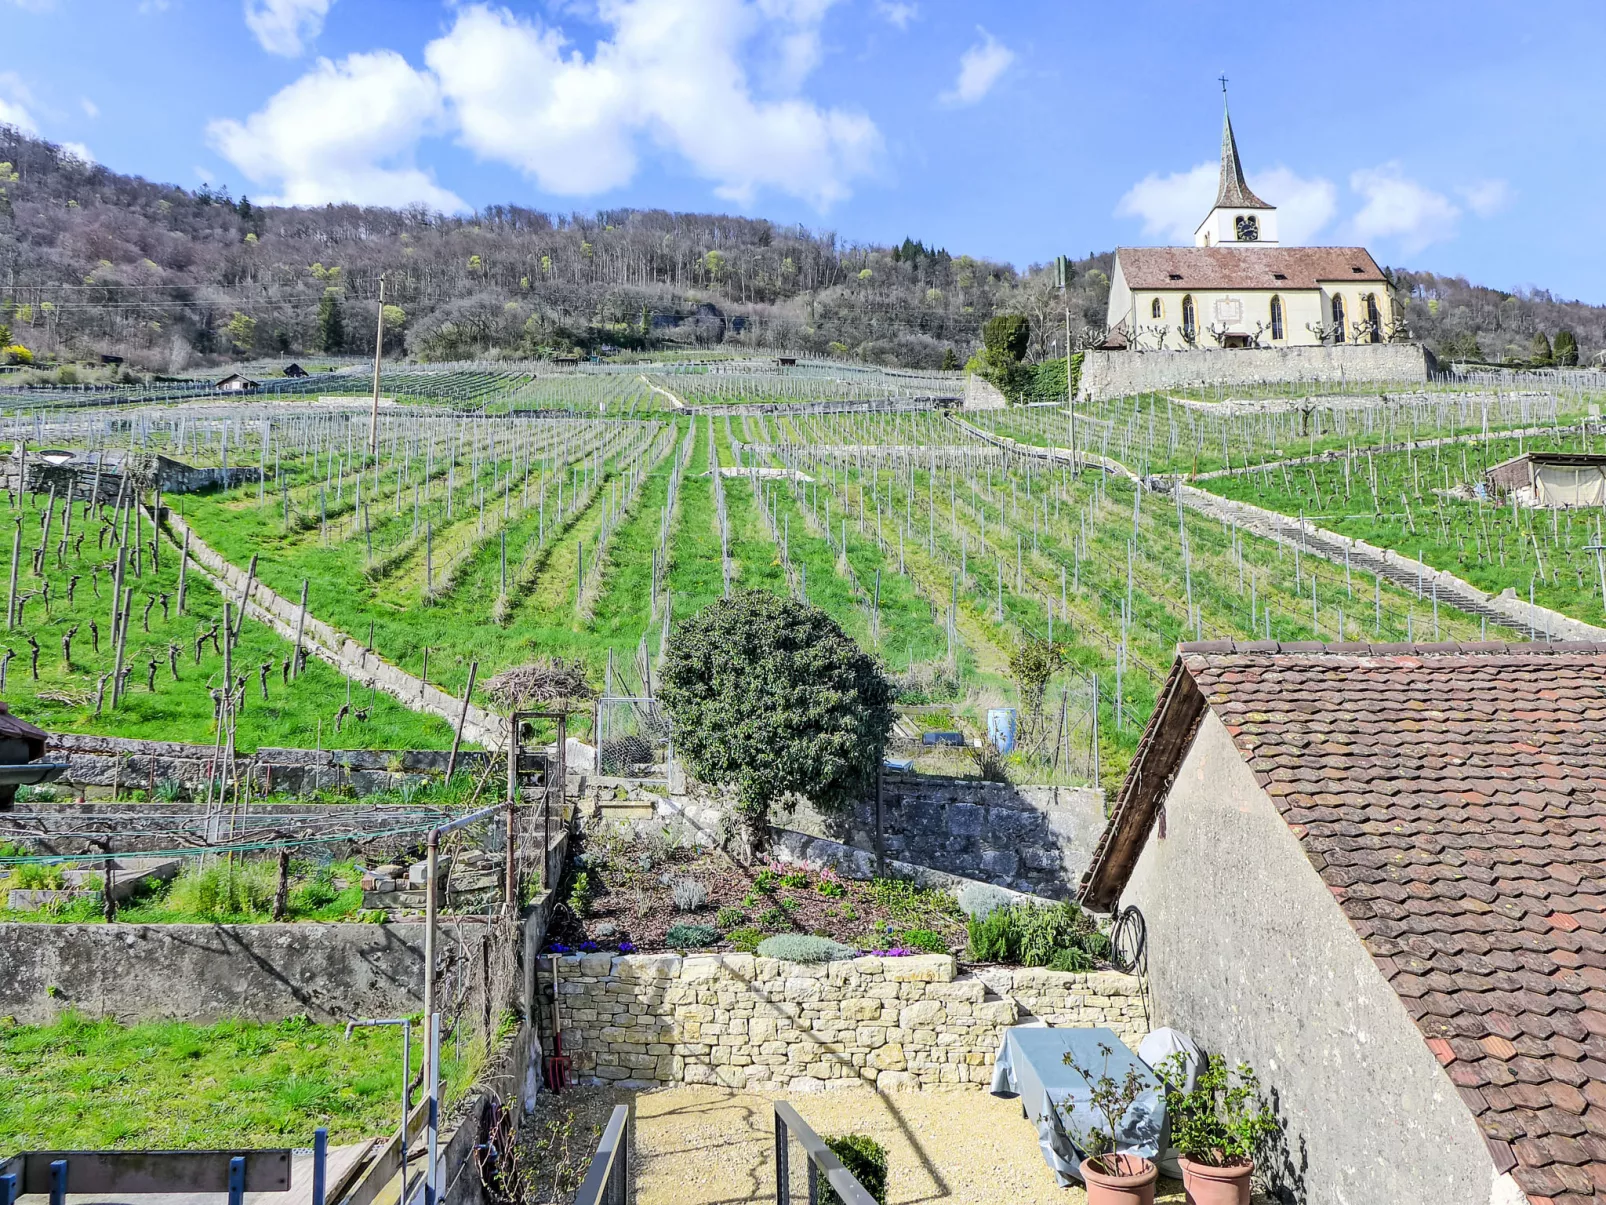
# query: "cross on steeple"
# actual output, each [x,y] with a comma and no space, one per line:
[1223,80]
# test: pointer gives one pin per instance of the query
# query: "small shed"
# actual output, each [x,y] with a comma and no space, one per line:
[1552,479]
[236,383]
[109,359]
[566,361]
[295,370]
[786,361]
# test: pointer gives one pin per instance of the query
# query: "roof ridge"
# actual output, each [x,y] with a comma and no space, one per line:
[1419,648]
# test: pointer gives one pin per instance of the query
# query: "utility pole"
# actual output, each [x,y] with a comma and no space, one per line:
[379,343]
[1062,279]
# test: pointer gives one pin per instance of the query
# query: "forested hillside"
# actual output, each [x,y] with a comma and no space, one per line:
[93,262]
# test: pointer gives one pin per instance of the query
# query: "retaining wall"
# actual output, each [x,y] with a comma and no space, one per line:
[1108,374]
[330,972]
[747,1022]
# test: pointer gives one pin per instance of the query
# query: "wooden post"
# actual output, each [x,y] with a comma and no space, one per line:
[122,643]
[457,735]
[512,874]
[563,789]
[16,554]
[245,594]
[44,537]
[156,529]
[379,343]
[281,892]
[183,564]
[301,623]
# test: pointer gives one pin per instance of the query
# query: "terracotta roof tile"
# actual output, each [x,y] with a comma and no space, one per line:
[1268,268]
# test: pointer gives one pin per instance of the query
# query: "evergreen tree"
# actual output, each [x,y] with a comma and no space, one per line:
[1539,353]
[950,362]
[1566,348]
[331,322]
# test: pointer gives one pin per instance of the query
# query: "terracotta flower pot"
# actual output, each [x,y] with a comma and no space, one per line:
[1134,1186]
[1206,1185]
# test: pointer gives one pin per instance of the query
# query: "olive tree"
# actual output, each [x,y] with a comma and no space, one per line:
[771,696]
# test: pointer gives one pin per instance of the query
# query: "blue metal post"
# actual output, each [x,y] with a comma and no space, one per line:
[320,1161]
[237,1180]
[8,1190]
[58,1182]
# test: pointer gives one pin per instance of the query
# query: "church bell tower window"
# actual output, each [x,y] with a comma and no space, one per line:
[1248,227]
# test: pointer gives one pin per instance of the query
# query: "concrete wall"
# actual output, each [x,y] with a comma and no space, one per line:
[1032,839]
[982,395]
[330,972]
[1250,954]
[1107,374]
[758,1023]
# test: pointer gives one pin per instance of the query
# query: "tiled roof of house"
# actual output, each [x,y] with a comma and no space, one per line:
[1241,267]
[1453,799]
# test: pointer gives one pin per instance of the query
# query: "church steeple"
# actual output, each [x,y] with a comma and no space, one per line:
[1234,192]
[1238,217]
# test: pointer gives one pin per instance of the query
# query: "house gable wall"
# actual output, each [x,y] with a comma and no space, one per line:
[1249,953]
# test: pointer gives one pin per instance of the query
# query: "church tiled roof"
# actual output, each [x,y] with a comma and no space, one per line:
[1233,192]
[1244,267]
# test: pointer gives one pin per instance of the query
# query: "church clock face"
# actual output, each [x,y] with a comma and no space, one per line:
[1248,228]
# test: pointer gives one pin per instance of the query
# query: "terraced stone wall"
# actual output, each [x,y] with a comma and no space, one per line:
[758,1023]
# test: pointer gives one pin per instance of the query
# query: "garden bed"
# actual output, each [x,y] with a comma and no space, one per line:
[639,894]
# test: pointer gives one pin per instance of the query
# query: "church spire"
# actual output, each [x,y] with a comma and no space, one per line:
[1233,192]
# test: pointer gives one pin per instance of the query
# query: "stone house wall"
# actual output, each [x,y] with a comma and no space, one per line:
[758,1023]
[1108,374]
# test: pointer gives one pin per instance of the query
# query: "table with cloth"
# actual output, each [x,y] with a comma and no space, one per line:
[1057,1099]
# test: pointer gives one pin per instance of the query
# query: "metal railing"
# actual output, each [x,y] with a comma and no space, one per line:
[840,1180]
[607,1180]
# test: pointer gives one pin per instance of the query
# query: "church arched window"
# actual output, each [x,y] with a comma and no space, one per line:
[1338,319]
[1190,326]
[1156,310]
[1276,317]
[1374,318]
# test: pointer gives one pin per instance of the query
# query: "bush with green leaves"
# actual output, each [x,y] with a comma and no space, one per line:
[224,889]
[729,918]
[580,895]
[1223,1122]
[801,947]
[1032,935]
[925,939]
[746,941]
[691,937]
[866,1159]
[771,696]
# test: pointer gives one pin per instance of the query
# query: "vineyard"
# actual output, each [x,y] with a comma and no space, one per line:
[475,541]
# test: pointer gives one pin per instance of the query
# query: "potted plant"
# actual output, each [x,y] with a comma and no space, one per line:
[1216,1127]
[1112,1178]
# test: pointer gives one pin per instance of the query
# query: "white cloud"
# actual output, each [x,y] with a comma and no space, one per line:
[1304,205]
[78,151]
[671,72]
[979,69]
[343,132]
[90,108]
[896,12]
[285,26]
[1400,209]
[1171,207]
[14,101]
[1487,197]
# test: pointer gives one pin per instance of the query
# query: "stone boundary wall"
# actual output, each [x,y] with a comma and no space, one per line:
[1033,839]
[104,761]
[1110,374]
[741,1021]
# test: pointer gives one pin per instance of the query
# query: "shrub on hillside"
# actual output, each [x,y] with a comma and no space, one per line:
[690,937]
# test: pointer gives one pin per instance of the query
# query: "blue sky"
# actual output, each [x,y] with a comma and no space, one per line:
[1461,137]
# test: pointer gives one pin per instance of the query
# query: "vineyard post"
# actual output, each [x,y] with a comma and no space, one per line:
[379,343]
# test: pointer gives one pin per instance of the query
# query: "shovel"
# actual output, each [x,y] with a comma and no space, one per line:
[557,1066]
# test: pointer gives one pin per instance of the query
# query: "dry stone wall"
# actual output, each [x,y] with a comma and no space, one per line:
[1108,374]
[742,1021]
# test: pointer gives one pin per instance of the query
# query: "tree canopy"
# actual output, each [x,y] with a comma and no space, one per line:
[771,696]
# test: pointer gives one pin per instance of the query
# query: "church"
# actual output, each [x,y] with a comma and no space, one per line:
[1237,287]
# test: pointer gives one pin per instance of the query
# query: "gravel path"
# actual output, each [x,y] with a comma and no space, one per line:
[713,1146]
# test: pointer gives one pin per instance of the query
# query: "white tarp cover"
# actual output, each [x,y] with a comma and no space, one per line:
[1155,1049]
[1570,485]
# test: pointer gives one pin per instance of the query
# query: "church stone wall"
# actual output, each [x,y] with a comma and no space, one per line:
[1108,374]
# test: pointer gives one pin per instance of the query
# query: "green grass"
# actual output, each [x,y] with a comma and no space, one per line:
[1415,508]
[88,1084]
[62,697]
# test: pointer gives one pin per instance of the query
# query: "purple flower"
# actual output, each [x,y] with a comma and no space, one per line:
[626,947]
[557,947]
[588,946]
